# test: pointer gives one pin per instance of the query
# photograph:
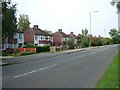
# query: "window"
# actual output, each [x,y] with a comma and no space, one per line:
[20,45]
[41,38]
[65,39]
[35,37]
[46,38]
[20,35]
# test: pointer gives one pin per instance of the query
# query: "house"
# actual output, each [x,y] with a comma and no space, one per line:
[76,37]
[16,42]
[72,35]
[37,37]
[59,38]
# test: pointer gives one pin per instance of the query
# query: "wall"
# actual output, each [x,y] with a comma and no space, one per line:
[16,35]
[57,38]
[29,36]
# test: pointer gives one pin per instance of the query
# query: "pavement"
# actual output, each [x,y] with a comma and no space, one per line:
[72,70]
[9,60]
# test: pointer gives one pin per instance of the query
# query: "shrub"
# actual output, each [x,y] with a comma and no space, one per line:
[57,49]
[71,43]
[9,51]
[29,46]
[4,53]
[42,49]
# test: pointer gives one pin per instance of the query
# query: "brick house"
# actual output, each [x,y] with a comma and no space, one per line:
[72,35]
[59,38]
[16,42]
[37,37]
[76,37]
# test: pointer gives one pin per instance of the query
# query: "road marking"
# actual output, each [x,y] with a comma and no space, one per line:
[24,74]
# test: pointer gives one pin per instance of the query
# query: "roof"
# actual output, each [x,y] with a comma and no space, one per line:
[40,32]
[72,35]
[63,34]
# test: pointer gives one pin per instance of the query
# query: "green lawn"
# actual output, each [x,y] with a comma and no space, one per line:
[110,77]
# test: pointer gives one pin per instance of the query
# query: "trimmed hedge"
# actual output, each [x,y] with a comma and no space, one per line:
[42,49]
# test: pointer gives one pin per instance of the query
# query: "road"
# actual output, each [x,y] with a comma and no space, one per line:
[75,70]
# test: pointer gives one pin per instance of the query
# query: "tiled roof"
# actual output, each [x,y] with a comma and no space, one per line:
[63,34]
[40,32]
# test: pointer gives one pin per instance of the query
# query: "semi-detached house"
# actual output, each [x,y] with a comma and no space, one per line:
[37,37]
[33,35]
[76,37]
[16,42]
[59,38]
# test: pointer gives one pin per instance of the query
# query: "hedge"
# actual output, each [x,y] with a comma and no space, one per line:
[42,49]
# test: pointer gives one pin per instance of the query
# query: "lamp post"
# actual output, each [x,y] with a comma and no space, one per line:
[90,26]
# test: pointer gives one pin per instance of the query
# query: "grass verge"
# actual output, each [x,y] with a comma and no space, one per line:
[110,77]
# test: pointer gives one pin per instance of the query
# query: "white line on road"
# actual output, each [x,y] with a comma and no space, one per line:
[24,74]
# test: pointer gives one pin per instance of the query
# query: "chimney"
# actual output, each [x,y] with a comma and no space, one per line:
[60,30]
[35,26]
[71,32]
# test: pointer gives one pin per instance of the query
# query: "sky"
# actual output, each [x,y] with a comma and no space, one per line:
[70,15]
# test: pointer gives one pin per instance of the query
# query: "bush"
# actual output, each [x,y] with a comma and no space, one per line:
[5,53]
[9,51]
[70,43]
[29,46]
[57,49]
[42,49]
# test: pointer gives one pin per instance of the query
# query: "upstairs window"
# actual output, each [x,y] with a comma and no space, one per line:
[20,35]
[35,37]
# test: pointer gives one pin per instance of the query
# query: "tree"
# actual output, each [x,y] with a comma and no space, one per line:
[49,32]
[23,22]
[71,43]
[85,32]
[96,41]
[115,36]
[118,6]
[9,20]
[84,38]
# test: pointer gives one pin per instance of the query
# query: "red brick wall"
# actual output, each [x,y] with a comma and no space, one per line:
[27,49]
[29,36]
[57,39]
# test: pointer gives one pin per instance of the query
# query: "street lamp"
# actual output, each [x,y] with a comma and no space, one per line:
[90,26]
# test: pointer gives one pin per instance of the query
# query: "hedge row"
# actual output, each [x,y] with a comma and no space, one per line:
[42,49]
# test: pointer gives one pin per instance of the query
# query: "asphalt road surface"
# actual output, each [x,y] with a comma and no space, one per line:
[75,70]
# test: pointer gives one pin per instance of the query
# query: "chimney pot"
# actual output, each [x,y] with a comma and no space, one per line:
[60,30]
[35,26]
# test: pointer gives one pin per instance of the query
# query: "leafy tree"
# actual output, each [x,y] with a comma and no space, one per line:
[70,43]
[85,32]
[23,22]
[114,2]
[118,6]
[50,32]
[96,41]
[9,20]
[84,38]
[115,36]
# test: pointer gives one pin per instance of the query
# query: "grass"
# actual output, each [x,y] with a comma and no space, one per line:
[110,77]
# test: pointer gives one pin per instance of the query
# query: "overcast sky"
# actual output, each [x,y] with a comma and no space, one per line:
[70,15]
